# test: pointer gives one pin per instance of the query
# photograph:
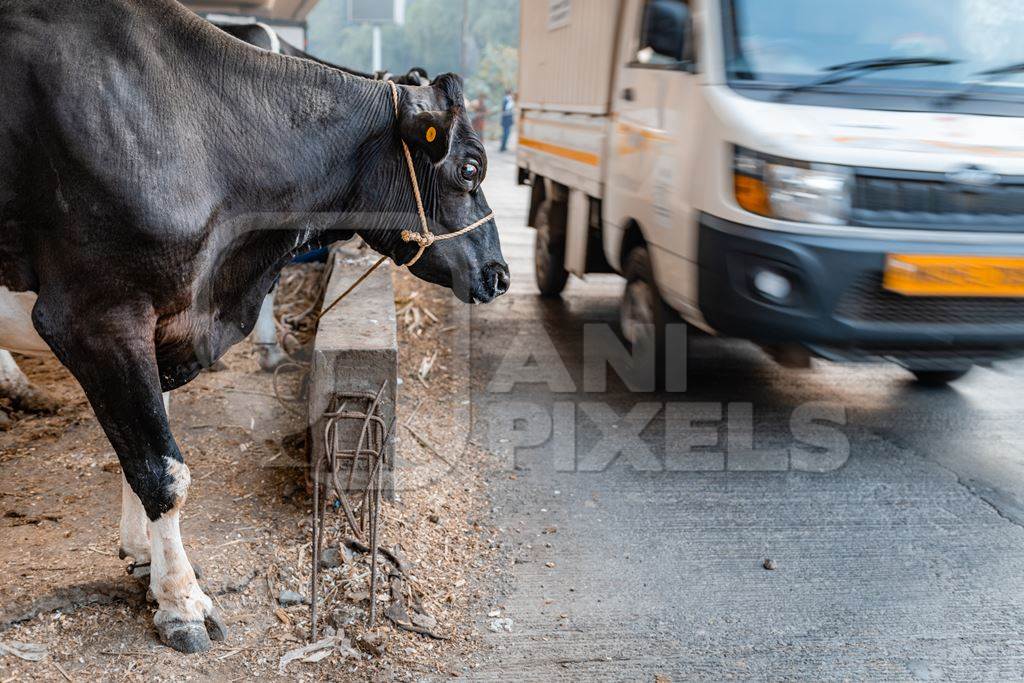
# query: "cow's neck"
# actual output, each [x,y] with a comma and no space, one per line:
[287,130]
[308,146]
[309,141]
[326,151]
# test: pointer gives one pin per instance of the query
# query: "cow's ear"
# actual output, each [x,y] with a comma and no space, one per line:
[430,131]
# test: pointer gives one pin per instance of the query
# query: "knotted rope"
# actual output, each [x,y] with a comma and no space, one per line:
[424,238]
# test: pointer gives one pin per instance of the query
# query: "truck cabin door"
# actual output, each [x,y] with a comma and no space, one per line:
[653,101]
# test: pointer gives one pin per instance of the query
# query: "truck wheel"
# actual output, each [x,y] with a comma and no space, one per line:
[549,248]
[939,378]
[643,312]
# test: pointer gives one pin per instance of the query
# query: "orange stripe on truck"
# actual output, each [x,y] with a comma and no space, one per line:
[588,158]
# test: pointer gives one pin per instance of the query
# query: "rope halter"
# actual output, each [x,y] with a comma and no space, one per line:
[425,238]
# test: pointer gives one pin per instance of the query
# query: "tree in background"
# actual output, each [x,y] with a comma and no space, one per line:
[430,38]
[497,72]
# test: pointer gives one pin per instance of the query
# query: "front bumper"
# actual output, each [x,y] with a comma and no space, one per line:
[838,305]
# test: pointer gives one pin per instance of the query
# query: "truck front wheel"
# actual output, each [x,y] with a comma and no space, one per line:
[644,317]
[549,248]
[939,378]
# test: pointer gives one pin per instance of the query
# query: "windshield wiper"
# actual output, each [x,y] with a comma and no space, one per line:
[986,76]
[840,73]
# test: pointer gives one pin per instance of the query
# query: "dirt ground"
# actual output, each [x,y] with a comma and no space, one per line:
[246,524]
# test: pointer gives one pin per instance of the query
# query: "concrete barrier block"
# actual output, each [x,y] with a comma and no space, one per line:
[356,350]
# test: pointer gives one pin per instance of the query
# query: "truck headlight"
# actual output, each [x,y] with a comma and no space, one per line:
[792,190]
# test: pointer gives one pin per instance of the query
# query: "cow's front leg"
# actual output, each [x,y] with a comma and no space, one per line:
[187,619]
[135,530]
[135,524]
[112,356]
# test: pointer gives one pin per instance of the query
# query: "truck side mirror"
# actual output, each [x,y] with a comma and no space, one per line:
[667,29]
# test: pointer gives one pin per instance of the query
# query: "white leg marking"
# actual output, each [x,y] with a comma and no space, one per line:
[266,328]
[13,382]
[171,577]
[15,386]
[264,336]
[167,403]
[134,525]
[16,330]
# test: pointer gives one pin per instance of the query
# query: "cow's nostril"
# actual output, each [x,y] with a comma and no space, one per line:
[496,278]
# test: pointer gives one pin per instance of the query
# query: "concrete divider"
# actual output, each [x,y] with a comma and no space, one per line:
[355,352]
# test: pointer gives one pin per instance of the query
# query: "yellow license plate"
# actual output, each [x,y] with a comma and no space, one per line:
[962,276]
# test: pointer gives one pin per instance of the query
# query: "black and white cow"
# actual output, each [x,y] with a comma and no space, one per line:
[15,386]
[155,174]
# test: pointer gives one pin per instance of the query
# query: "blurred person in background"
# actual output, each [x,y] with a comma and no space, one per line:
[508,118]
[480,116]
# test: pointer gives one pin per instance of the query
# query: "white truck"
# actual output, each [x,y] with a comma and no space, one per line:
[840,179]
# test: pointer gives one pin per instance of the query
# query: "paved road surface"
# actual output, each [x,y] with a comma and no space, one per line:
[902,561]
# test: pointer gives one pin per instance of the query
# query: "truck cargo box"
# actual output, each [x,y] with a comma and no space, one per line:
[567,54]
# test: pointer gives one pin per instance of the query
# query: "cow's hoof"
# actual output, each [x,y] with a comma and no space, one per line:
[35,401]
[218,366]
[5,422]
[188,637]
[270,357]
[215,626]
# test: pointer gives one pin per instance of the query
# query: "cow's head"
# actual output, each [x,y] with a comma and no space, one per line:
[450,164]
[415,76]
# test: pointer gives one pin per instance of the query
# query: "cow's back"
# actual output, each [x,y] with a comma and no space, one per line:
[22,40]
[110,106]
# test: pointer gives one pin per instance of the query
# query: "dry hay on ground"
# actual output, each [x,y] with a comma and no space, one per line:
[247,525]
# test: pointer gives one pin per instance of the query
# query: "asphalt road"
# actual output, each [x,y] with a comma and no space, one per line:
[893,515]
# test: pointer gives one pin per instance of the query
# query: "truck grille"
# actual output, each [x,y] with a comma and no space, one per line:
[931,201]
[867,301]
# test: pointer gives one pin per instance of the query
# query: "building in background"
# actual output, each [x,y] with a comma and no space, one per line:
[288,17]
[377,11]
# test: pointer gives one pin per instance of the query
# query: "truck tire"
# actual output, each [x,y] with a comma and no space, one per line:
[549,248]
[939,378]
[643,311]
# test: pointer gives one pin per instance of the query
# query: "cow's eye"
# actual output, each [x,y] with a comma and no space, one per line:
[470,172]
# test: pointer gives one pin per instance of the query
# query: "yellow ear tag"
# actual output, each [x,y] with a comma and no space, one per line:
[431,134]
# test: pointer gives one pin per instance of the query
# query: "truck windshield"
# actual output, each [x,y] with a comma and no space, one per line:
[787,43]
